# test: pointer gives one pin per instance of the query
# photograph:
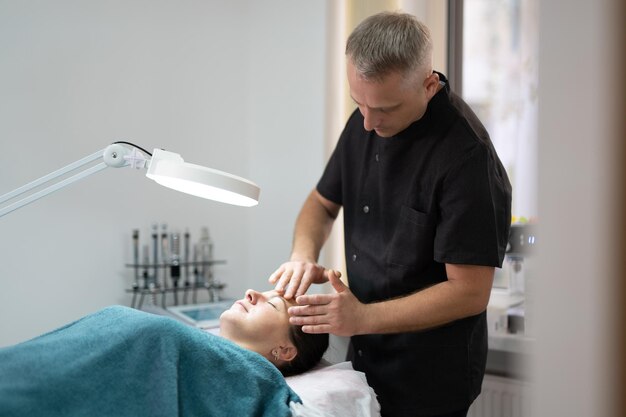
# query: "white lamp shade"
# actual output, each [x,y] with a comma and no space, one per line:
[170,170]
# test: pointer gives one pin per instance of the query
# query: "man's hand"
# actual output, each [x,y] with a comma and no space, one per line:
[340,314]
[295,278]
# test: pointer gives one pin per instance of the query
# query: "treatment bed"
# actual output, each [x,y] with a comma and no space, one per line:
[123,362]
[333,391]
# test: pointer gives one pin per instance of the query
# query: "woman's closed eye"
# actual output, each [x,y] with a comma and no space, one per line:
[277,302]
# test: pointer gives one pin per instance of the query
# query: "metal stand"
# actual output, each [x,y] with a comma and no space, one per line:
[152,288]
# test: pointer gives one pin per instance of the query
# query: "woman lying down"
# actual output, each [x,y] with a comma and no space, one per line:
[123,362]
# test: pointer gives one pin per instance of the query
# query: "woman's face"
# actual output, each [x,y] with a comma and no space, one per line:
[258,322]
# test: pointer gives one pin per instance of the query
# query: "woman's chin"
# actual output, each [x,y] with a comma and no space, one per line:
[230,318]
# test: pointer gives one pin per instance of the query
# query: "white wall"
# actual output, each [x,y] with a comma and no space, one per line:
[234,85]
[285,125]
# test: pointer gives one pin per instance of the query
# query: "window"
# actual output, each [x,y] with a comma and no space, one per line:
[493,66]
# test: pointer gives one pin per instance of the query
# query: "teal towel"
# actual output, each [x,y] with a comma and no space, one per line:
[122,362]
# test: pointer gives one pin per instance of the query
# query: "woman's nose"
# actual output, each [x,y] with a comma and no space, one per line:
[253,296]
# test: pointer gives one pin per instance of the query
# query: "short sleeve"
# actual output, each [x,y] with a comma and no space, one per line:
[330,184]
[474,212]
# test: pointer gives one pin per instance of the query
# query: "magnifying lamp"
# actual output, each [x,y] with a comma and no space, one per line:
[166,168]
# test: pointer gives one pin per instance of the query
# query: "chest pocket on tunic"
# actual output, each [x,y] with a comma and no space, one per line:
[411,246]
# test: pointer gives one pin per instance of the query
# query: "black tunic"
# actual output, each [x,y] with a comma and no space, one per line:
[435,193]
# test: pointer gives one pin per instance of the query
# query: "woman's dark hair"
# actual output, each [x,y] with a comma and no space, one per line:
[310,348]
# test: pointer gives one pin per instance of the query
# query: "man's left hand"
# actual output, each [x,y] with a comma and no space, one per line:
[341,313]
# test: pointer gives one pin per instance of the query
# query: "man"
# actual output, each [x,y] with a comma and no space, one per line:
[427,210]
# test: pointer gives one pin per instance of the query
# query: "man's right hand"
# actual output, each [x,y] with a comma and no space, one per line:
[295,277]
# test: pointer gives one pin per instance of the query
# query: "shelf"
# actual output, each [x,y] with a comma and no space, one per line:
[181,264]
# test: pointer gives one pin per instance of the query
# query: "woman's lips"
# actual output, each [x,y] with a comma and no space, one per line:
[242,305]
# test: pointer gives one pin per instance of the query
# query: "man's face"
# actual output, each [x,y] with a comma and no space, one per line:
[390,105]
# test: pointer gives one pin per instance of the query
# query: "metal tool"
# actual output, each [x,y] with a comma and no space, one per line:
[206,250]
[186,262]
[145,274]
[175,265]
[136,263]
[196,272]
[152,285]
[165,257]
[145,265]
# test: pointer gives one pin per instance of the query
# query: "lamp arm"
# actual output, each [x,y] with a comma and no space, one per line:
[114,155]
[51,176]
[52,188]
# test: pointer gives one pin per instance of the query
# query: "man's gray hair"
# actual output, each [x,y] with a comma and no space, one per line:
[387,42]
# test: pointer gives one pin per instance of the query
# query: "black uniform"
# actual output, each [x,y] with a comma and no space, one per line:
[435,193]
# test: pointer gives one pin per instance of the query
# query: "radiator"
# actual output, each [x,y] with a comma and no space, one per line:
[501,397]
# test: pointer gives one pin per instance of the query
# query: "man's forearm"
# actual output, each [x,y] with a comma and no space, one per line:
[434,306]
[312,228]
